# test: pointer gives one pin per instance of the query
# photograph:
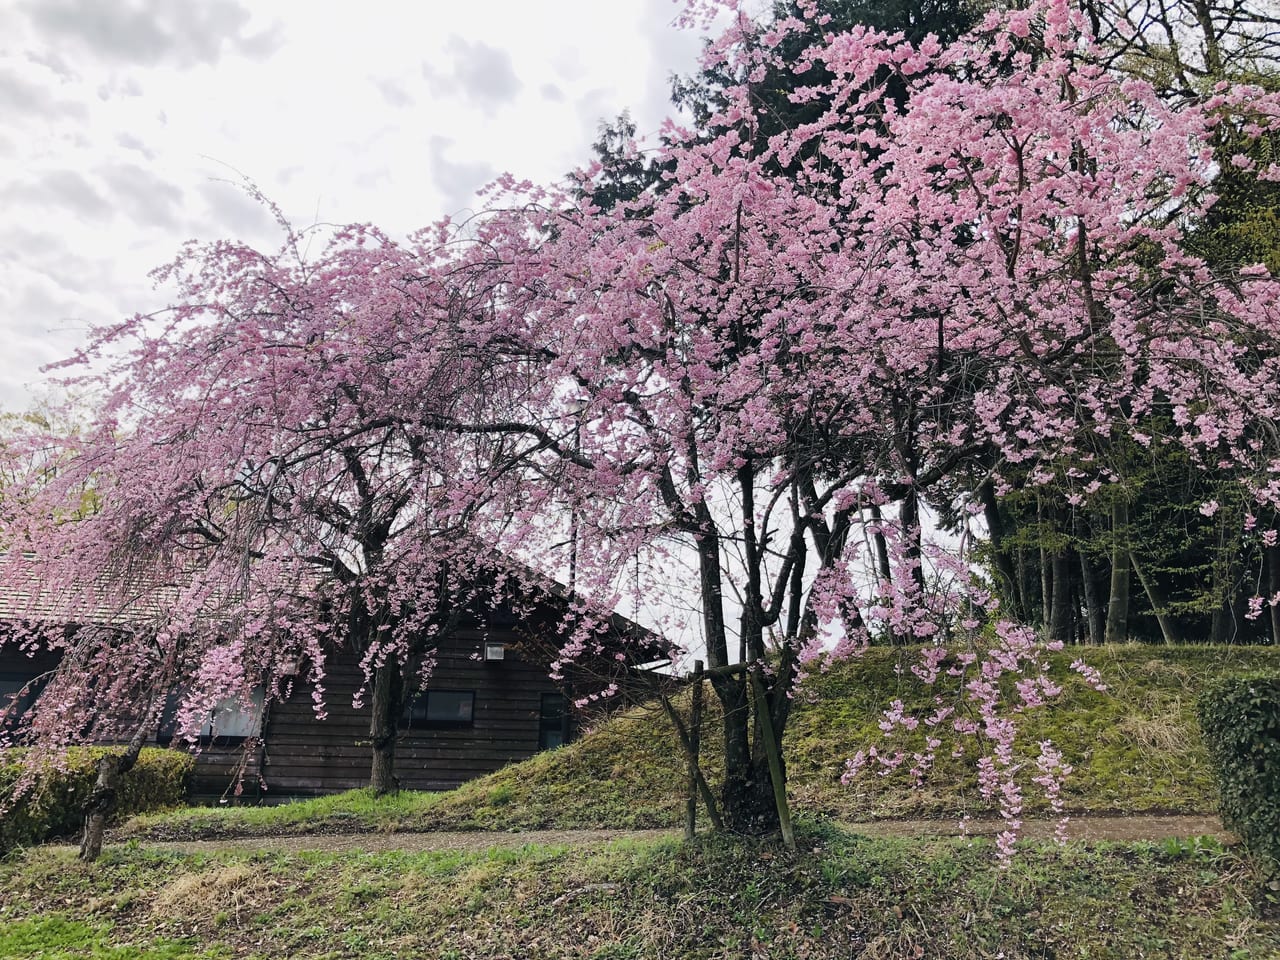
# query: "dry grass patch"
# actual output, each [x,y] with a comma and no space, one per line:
[1160,734]
[233,891]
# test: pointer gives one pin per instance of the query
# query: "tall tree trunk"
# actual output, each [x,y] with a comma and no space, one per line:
[1094,615]
[112,767]
[384,724]
[1273,588]
[1155,596]
[883,568]
[909,518]
[1062,616]
[1224,625]
[753,808]
[746,797]
[1046,571]
[881,545]
[1010,585]
[1026,585]
[1118,600]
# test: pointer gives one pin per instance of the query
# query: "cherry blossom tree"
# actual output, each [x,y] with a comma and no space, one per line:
[748,365]
[986,281]
[261,485]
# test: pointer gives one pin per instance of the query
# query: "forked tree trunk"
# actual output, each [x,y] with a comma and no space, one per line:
[101,804]
[384,725]
[1159,606]
[746,799]
[1118,599]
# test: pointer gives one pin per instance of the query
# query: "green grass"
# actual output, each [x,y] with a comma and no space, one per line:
[1135,749]
[843,895]
[56,937]
[355,811]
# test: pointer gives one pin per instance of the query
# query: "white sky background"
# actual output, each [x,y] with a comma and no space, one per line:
[122,120]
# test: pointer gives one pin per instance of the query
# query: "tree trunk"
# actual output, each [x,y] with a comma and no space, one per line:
[1117,630]
[1046,589]
[746,799]
[1094,615]
[909,518]
[1168,628]
[883,567]
[773,756]
[1273,587]
[1010,585]
[1093,608]
[388,683]
[1026,584]
[101,804]
[1062,616]
[881,545]
[1224,627]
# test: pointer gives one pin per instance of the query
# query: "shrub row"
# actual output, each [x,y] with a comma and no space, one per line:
[54,806]
[1240,718]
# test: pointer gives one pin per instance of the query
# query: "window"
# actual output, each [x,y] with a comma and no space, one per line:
[441,709]
[230,722]
[553,722]
[18,691]
[495,650]
[234,720]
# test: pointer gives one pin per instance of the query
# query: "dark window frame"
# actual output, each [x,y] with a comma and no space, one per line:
[417,712]
[553,724]
[32,683]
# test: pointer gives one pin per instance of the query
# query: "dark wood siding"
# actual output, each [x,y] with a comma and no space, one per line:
[300,755]
[17,669]
[303,755]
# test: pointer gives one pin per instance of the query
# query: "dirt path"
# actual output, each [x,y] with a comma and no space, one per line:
[1079,828]
[470,841]
[1083,828]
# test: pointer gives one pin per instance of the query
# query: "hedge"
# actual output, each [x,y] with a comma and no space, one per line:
[54,807]
[1240,719]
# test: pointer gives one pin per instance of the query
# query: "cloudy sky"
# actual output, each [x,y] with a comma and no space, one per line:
[129,124]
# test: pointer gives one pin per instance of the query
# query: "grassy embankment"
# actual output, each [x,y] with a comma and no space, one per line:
[842,896]
[1136,748]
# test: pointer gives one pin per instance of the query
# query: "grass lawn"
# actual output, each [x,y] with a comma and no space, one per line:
[842,896]
[1136,748]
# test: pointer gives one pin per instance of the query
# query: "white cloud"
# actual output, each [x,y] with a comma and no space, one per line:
[129,124]
[151,32]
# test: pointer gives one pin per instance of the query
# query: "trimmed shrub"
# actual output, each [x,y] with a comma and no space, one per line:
[1240,718]
[54,807]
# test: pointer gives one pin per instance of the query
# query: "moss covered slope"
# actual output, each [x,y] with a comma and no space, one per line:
[1136,748]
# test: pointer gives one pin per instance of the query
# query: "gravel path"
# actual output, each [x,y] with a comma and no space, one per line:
[1083,828]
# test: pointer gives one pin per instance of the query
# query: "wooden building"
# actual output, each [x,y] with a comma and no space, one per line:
[488,701]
